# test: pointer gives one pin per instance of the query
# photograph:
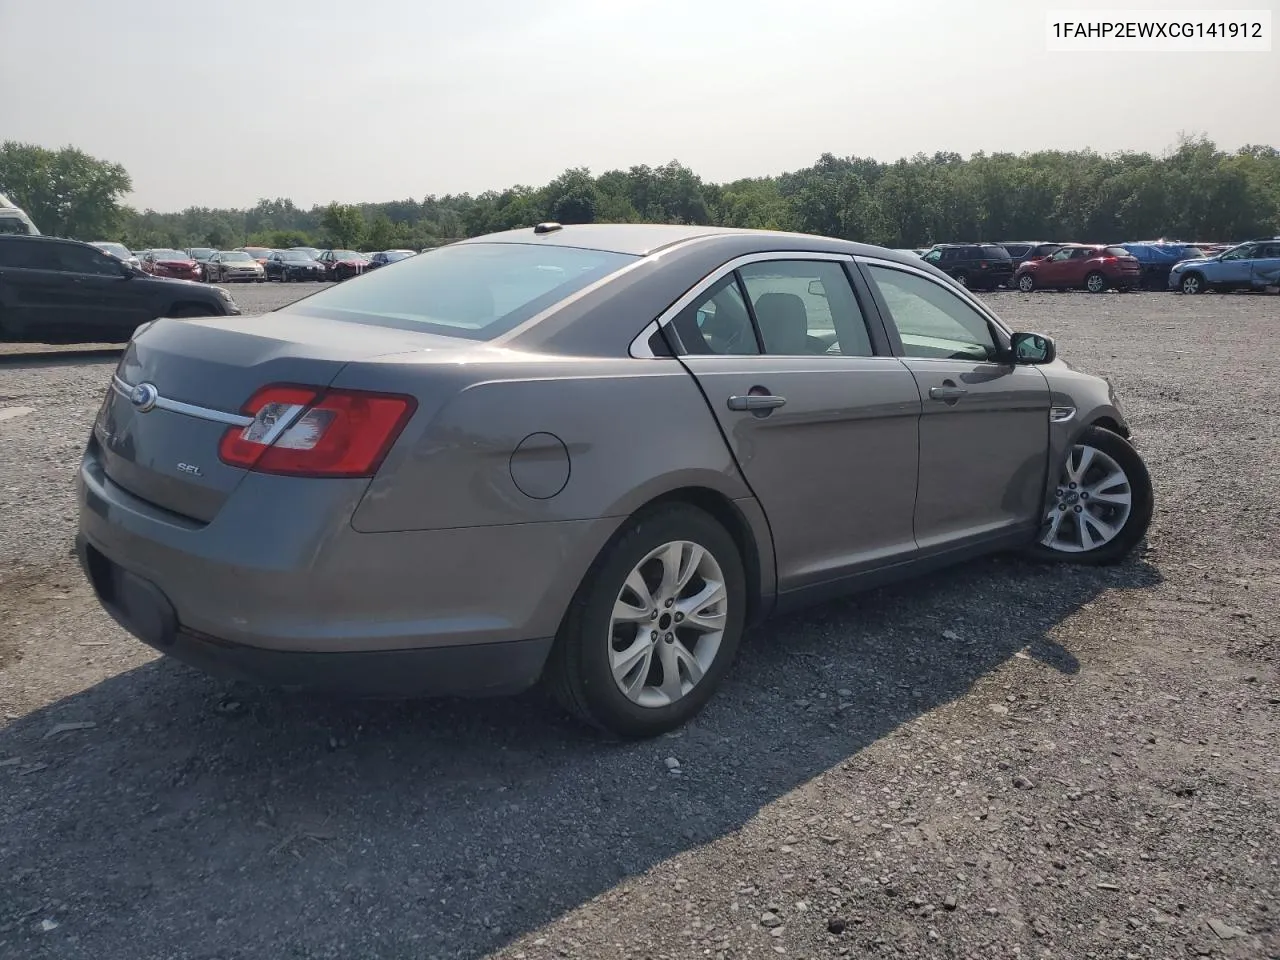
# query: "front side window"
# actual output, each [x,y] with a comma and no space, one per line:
[806,307]
[471,290]
[1063,254]
[932,321]
[87,260]
[933,256]
[1242,252]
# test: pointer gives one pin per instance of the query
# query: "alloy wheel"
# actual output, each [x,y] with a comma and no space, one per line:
[1091,504]
[1026,283]
[1095,283]
[667,623]
[1191,284]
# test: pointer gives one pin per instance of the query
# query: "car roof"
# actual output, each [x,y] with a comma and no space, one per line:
[643,239]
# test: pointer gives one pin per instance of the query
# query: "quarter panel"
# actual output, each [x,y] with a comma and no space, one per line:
[633,429]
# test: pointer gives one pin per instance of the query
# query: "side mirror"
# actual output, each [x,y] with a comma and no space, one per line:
[816,289]
[129,271]
[1033,348]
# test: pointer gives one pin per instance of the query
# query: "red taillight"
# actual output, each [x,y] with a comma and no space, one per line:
[1109,259]
[308,432]
[982,264]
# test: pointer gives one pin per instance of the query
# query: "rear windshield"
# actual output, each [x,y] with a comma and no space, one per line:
[169,255]
[992,252]
[471,290]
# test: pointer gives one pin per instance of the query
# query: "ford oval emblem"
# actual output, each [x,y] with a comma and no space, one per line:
[144,397]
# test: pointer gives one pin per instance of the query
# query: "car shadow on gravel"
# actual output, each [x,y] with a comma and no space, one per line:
[200,819]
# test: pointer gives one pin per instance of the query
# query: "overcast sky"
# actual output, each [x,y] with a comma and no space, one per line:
[221,103]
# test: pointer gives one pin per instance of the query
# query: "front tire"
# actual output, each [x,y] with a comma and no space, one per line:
[1102,504]
[654,626]
[1026,283]
[1192,283]
[961,278]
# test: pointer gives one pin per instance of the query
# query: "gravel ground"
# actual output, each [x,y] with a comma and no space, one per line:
[1003,760]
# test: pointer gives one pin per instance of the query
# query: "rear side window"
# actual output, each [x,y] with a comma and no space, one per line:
[992,252]
[32,255]
[13,225]
[1116,252]
[1017,249]
[471,290]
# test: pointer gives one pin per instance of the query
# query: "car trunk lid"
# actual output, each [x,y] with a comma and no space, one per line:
[181,385]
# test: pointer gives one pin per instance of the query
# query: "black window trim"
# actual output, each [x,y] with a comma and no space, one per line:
[1000,332]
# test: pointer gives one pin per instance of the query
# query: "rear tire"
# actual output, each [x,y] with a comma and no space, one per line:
[580,672]
[961,278]
[1095,282]
[1095,503]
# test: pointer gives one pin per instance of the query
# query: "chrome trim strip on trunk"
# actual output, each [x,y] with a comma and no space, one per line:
[125,389]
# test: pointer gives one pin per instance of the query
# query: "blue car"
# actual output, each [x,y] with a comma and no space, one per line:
[1254,265]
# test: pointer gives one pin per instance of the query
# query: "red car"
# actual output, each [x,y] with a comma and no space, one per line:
[343,264]
[170,263]
[1091,267]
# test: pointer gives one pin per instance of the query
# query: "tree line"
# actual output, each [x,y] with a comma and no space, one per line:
[1194,191]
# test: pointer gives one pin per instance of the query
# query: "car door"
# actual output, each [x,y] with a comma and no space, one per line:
[103,303]
[39,298]
[1234,268]
[1053,270]
[1265,267]
[984,424]
[822,420]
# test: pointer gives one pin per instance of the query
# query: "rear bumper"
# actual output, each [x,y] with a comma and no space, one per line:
[279,587]
[486,669]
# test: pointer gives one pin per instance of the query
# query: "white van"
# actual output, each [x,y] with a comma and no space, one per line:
[15,220]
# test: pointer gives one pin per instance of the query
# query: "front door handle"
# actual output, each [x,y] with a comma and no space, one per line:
[756,401]
[947,393]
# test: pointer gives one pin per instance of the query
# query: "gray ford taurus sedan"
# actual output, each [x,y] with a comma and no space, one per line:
[587,455]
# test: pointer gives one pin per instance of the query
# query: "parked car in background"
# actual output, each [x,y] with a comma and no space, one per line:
[1022,251]
[312,252]
[286,265]
[64,291]
[1093,267]
[228,265]
[170,263]
[384,257]
[1156,259]
[258,253]
[1254,265]
[981,266]
[482,415]
[342,264]
[14,220]
[119,251]
[201,256]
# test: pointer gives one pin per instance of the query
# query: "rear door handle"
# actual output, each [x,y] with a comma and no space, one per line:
[947,393]
[756,401]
